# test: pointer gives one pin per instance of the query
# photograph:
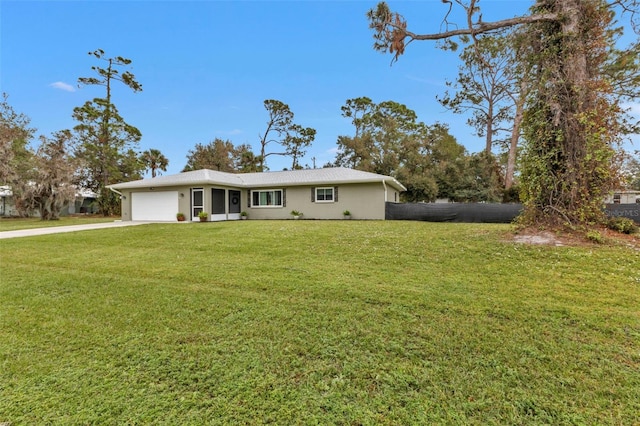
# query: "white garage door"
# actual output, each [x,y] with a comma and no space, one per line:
[154,206]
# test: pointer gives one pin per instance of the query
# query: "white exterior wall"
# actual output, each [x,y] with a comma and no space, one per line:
[626,197]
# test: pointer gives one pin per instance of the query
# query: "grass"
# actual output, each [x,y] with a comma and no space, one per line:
[14,224]
[316,322]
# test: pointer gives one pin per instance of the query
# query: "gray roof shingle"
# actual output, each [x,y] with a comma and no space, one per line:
[326,176]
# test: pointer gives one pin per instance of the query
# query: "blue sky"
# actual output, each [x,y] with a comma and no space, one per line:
[207,66]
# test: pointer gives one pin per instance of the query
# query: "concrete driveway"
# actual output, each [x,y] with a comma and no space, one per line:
[61,229]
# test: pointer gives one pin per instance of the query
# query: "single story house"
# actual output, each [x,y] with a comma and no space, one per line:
[7,207]
[84,203]
[317,193]
[623,196]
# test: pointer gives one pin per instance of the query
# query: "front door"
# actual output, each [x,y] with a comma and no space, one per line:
[234,204]
[197,203]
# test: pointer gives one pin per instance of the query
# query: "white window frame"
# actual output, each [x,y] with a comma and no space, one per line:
[273,206]
[333,194]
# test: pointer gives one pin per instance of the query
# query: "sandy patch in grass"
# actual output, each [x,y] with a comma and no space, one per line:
[534,236]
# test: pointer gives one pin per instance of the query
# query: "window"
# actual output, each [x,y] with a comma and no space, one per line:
[269,198]
[324,195]
[616,198]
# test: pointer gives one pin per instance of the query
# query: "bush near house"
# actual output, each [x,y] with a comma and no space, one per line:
[623,225]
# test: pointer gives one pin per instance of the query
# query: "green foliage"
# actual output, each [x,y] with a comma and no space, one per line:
[631,170]
[511,195]
[41,180]
[15,135]
[50,181]
[389,140]
[480,180]
[297,139]
[622,70]
[575,82]
[282,131]
[239,324]
[427,160]
[216,155]
[245,160]
[296,213]
[486,87]
[222,155]
[623,225]
[595,236]
[16,157]
[570,125]
[154,161]
[106,142]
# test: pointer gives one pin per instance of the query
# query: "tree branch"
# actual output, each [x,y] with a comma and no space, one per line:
[482,27]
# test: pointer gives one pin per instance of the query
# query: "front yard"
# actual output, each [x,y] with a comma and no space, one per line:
[316,322]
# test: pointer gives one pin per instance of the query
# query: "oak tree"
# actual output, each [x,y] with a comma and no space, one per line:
[216,155]
[244,159]
[15,135]
[51,178]
[388,139]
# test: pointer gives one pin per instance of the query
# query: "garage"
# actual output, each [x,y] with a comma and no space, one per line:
[160,206]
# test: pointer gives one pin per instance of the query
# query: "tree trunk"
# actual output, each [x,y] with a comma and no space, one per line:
[515,137]
[489,130]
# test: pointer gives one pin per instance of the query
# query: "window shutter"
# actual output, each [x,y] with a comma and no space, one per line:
[335,194]
[248,198]
[313,195]
[284,197]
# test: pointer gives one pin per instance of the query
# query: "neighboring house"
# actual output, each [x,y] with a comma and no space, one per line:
[317,193]
[623,197]
[7,206]
[84,203]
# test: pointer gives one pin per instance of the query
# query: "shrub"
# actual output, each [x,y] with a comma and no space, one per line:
[595,237]
[623,225]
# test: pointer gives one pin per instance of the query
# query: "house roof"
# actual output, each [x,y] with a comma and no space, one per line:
[6,191]
[326,176]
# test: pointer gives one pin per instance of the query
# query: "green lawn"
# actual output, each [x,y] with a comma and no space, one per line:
[13,224]
[316,322]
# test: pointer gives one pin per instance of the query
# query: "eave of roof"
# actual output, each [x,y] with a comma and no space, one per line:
[334,176]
